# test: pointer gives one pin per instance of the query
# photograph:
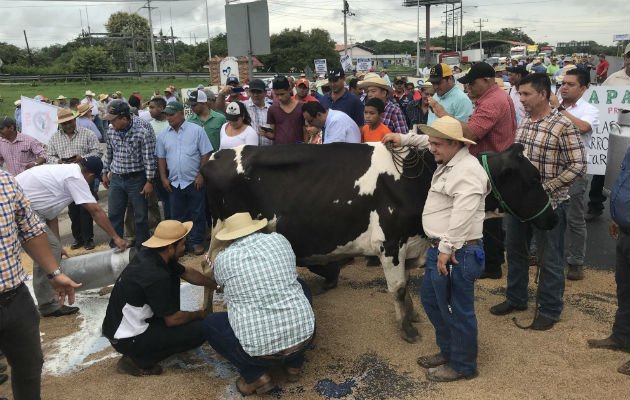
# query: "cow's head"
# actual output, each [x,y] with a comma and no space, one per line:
[518,183]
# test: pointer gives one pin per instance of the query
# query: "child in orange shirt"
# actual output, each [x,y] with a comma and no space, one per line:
[374,129]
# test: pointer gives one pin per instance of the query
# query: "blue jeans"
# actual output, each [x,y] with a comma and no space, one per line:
[456,332]
[121,190]
[550,253]
[576,234]
[221,337]
[188,204]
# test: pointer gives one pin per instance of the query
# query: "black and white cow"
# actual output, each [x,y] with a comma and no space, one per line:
[339,200]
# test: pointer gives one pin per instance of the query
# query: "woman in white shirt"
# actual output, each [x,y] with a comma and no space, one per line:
[237,131]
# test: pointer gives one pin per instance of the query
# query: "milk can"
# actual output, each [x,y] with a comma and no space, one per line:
[98,269]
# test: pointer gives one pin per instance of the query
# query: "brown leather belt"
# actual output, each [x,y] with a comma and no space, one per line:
[288,352]
[436,242]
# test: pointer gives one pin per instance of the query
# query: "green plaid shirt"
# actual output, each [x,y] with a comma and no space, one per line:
[267,308]
[554,146]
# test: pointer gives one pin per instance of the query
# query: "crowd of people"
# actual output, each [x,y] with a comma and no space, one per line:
[154,152]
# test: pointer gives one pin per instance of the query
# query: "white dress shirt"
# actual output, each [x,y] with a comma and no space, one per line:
[339,127]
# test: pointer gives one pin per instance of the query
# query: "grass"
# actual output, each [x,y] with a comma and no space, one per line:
[11,92]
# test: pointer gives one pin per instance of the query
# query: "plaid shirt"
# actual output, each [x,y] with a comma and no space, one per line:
[554,146]
[18,222]
[259,117]
[22,151]
[131,150]
[267,308]
[394,118]
[83,143]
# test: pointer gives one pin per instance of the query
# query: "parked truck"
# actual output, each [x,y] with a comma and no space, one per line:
[470,56]
[518,52]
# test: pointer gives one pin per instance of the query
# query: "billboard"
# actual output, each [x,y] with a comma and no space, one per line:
[247,25]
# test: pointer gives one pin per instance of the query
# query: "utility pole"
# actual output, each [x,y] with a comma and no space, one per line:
[346,12]
[418,40]
[208,31]
[148,6]
[28,49]
[427,44]
[480,23]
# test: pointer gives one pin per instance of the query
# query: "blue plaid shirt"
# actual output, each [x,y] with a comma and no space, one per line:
[267,308]
[131,150]
[18,222]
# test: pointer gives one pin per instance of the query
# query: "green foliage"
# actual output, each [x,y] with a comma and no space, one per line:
[90,60]
[128,24]
[293,50]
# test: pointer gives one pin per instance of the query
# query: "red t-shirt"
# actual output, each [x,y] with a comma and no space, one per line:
[306,99]
[288,128]
[369,135]
[493,122]
[601,67]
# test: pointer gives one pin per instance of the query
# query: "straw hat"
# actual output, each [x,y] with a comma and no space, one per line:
[239,225]
[446,128]
[563,71]
[65,115]
[102,96]
[168,232]
[61,97]
[373,79]
[90,93]
[83,109]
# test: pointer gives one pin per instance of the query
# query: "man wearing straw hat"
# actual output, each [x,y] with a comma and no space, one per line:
[453,220]
[270,321]
[83,121]
[70,144]
[143,320]
[90,100]
[377,87]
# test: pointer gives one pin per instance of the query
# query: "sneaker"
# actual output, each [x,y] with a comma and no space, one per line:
[542,323]
[89,245]
[575,273]
[61,311]
[505,308]
[432,361]
[126,365]
[444,373]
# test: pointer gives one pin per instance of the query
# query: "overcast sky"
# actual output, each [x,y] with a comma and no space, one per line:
[50,21]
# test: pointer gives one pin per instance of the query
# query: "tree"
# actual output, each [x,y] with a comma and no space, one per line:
[90,60]
[293,49]
[125,23]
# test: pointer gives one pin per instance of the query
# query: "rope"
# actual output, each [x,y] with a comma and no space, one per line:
[410,160]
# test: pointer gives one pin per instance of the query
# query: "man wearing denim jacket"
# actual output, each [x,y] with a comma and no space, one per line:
[453,220]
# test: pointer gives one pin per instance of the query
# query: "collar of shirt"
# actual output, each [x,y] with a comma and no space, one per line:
[458,156]
[18,138]
[127,129]
[445,95]
[342,97]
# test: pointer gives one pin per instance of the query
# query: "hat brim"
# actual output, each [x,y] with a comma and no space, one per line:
[109,117]
[231,117]
[436,79]
[225,234]
[66,119]
[430,131]
[465,79]
[155,242]
[365,85]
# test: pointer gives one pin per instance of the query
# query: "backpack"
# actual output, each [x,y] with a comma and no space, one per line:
[620,195]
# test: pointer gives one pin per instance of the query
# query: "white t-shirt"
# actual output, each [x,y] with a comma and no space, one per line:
[51,188]
[159,126]
[248,136]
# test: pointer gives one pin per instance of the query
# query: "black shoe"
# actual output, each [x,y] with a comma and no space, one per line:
[60,312]
[505,308]
[491,275]
[89,245]
[76,244]
[127,366]
[575,273]
[542,323]
[3,378]
[609,343]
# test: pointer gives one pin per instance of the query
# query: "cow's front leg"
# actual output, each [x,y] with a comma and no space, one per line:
[397,285]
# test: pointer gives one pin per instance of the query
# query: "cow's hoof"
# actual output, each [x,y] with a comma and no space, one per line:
[330,284]
[410,334]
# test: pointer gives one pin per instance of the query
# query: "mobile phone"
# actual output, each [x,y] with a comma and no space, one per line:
[266,128]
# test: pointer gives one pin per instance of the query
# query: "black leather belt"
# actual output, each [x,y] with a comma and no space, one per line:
[129,175]
[7,297]
[436,242]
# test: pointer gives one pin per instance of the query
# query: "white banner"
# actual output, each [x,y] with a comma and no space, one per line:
[320,66]
[228,67]
[608,100]
[346,62]
[364,64]
[39,120]
[621,37]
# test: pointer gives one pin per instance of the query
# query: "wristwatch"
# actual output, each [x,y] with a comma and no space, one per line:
[55,273]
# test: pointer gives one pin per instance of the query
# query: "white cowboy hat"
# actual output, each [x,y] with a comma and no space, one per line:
[373,79]
[446,128]
[168,232]
[239,225]
[90,93]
